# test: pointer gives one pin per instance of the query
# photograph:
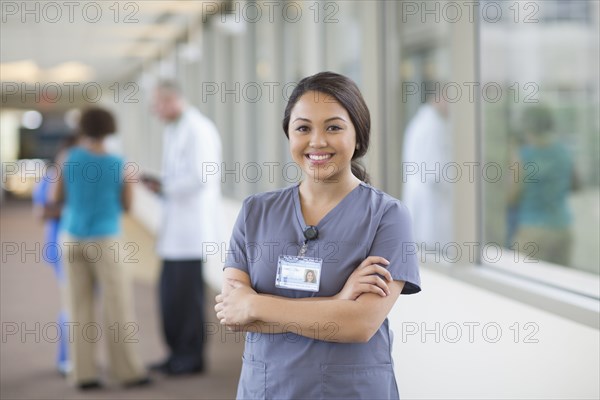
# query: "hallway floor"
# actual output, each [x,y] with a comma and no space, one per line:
[30,304]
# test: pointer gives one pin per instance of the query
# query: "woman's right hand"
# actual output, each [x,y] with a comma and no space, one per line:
[364,279]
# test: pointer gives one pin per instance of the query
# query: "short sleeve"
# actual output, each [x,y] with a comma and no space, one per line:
[236,253]
[394,241]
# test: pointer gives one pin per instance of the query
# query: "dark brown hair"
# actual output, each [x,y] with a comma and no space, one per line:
[538,120]
[345,91]
[97,123]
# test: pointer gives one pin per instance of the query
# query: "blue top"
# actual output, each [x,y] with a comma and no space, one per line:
[546,186]
[93,187]
[51,251]
[366,222]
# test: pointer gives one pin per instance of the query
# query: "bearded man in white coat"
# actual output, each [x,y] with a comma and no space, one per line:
[191,194]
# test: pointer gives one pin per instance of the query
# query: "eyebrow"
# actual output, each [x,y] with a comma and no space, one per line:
[327,120]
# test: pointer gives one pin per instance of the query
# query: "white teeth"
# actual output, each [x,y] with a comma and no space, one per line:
[319,157]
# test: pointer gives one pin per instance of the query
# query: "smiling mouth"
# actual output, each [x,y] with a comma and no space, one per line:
[318,157]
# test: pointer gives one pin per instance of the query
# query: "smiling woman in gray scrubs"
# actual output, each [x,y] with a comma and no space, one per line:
[329,338]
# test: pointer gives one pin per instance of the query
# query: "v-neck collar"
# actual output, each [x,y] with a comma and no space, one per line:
[326,217]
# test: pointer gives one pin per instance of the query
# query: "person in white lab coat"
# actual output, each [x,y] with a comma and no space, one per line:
[191,192]
[427,184]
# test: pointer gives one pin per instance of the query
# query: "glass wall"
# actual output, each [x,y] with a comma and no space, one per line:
[344,24]
[536,92]
[254,54]
[541,125]
[419,133]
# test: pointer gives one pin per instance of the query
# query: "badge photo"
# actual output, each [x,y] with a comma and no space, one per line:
[298,273]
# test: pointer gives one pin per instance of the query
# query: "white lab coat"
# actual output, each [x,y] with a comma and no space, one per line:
[192,192]
[428,196]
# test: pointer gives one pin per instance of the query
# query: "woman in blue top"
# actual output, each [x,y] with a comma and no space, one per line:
[95,192]
[540,199]
[329,338]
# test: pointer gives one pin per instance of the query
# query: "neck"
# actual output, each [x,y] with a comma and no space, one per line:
[539,141]
[178,115]
[324,191]
[93,145]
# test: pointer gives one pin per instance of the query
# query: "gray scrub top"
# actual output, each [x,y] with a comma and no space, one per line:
[289,366]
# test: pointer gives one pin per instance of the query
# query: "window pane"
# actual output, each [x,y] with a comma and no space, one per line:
[344,38]
[540,81]
[422,117]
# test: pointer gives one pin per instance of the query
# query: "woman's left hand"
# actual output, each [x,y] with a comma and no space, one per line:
[234,306]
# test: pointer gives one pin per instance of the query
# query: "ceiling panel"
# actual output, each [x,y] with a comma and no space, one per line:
[109,39]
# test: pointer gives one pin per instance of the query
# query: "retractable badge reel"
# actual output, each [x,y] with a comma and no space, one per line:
[300,272]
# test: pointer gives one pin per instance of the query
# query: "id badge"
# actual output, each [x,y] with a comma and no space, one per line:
[299,273]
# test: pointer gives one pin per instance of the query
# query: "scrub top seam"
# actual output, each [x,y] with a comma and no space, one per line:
[297,207]
[325,218]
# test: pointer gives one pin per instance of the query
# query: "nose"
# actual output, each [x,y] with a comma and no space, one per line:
[318,139]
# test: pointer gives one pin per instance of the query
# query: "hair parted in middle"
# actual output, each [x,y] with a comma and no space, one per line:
[345,92]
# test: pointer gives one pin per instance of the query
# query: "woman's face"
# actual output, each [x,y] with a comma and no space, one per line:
[310,277]
[322,137]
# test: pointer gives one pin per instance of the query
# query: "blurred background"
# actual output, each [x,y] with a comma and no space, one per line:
[510,306]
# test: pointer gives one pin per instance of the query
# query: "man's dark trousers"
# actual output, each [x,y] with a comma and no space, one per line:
[182,309]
